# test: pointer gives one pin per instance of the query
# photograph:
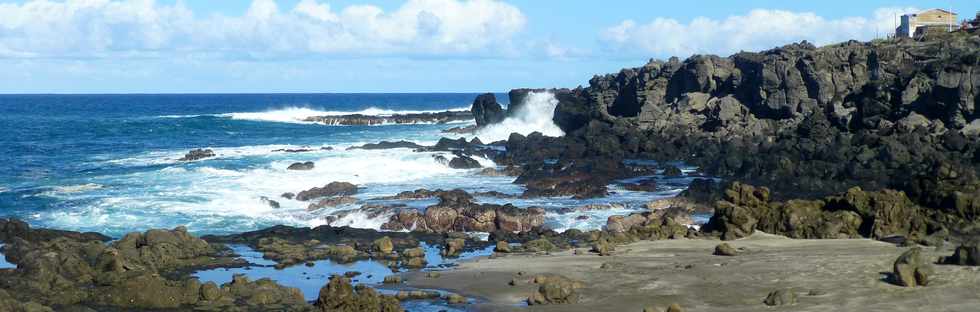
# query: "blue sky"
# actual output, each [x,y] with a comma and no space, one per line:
[255,46]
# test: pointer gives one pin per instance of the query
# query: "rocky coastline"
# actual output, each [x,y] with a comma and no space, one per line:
[866,150]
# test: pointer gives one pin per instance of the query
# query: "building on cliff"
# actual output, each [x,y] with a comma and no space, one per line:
[925,22]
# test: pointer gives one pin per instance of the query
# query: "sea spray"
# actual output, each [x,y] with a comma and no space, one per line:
[534,116]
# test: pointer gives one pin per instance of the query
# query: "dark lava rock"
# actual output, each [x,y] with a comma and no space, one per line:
[271,203]
[288,195]
[964,255]
[332,189]
[198,154]
[911,269]
[672,171]
[371,120]
[304,166]
[805,121]
[464,162]
[387,145]
[486,110]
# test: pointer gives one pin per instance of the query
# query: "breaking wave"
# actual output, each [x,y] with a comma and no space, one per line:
[534,116]
[299,114]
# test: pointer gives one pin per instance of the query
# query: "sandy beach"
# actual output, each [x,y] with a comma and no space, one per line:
[827,275]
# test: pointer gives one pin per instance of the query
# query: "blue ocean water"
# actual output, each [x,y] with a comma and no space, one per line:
[109,163]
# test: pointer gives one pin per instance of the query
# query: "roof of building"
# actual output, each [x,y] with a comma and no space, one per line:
[941,10]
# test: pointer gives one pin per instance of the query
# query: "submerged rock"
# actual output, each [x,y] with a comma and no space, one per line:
[302,166]
[387,145]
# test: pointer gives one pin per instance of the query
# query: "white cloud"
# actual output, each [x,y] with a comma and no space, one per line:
[758,30]
[144,28]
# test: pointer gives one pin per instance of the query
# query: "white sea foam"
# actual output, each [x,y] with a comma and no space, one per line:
[534,116]
[298,114]
[71,189]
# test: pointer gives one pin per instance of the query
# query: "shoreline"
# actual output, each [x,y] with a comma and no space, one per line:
[827,275]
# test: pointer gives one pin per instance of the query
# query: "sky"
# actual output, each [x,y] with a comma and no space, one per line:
[269,46]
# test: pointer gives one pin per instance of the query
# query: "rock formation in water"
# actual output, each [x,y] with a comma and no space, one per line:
[372,120]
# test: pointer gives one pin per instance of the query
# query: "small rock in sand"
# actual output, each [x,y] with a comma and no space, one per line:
[393,279]
[724,249]
[502,246]
[911,269]
[780,297]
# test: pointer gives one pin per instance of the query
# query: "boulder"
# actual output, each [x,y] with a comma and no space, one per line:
[724,249]
[331,202]
[502,247]
[339,296]
[486,110]
[453,247]
[329,190]
[383,245]
[464,162]
[911,269]
[554,290]
[301,166]
[781,297]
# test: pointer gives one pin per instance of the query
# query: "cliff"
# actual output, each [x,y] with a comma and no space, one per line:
[801,119]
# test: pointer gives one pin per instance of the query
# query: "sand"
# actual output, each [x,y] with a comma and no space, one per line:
[828,275]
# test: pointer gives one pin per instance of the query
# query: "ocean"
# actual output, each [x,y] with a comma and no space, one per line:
[109,163]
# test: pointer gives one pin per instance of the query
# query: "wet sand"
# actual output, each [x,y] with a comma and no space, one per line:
[827,275]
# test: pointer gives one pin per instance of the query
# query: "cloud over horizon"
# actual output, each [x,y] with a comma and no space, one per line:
[145,28]
[759,29]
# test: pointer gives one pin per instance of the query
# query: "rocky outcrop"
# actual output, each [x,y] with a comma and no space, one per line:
[856,213]
[892,114]
[197,154]
[329,190]
[14,228]
[373,120]
[340,296]
[457,212]
[141,271]
[486,110]
[387,145]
